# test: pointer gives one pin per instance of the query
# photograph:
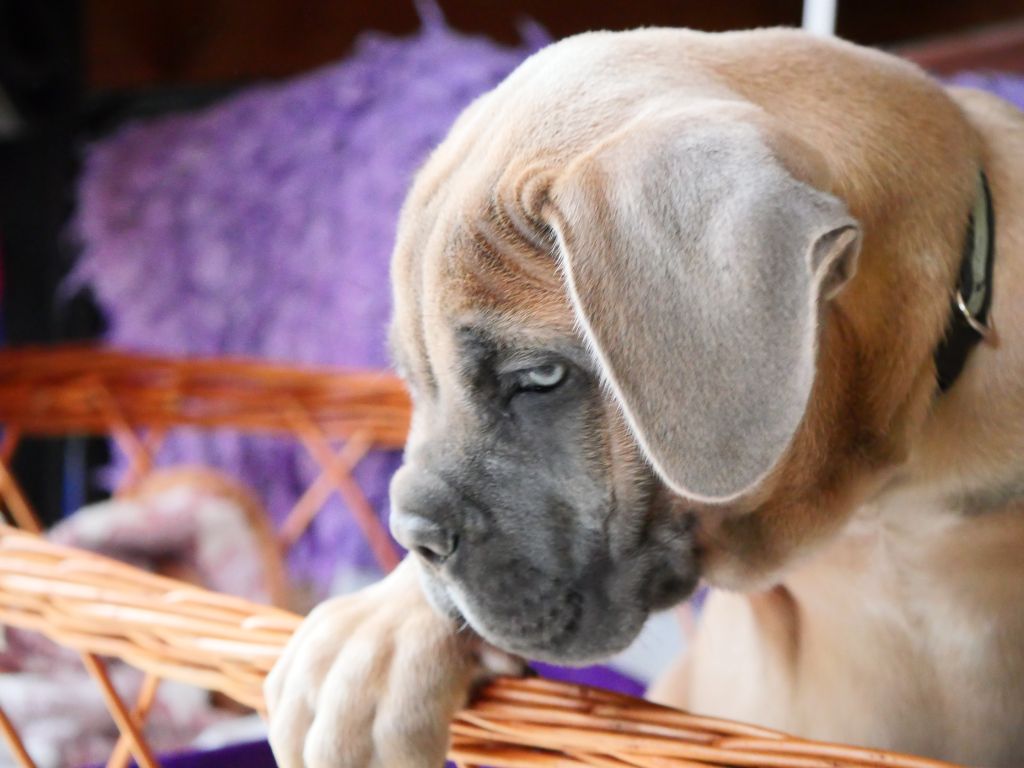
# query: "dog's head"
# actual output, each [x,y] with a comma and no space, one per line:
[610,308]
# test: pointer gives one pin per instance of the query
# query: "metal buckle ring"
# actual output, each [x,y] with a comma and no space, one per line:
[985,331]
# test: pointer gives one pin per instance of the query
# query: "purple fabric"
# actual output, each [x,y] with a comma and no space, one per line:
[597,675]
[263,226]
[1009,87]
[251,755]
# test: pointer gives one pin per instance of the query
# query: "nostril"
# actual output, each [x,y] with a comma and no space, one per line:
[426,538]
[439,550]
[427,554]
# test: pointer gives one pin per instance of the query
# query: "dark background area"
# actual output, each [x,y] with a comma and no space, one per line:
[75,70]
[142,42]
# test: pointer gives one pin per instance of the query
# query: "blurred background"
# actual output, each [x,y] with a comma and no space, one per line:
[222,178]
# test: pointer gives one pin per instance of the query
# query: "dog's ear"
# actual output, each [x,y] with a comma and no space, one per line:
[697,265]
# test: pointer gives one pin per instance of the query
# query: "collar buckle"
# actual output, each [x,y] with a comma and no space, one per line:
[986,330]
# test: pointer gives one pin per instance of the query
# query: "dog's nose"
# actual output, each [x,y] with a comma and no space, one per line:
[431,541]
[424,513]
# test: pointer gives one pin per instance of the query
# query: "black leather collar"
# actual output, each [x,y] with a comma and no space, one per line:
[973,298]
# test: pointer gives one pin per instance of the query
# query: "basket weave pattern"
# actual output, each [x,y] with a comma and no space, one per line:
[171,630]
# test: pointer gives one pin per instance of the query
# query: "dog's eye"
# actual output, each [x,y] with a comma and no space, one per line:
[542,377]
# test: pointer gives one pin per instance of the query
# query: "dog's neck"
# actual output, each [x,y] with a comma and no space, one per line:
[967,454]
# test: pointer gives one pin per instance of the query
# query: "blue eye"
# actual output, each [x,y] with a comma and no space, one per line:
[543,377]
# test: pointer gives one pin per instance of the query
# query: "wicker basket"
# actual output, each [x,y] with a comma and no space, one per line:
[176,631]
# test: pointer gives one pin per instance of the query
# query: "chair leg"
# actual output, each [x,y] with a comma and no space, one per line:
[147,694]
[139,749]
[14,743]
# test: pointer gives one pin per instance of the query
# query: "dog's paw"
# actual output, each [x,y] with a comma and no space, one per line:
[373,679]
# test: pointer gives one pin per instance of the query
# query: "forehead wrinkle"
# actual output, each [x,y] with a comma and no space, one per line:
[405,333]
[440,282]
[523,245]
[500,267]
[396,351]
[411,271]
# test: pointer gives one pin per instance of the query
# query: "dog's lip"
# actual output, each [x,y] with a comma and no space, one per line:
[581,643]
[672,590]
[438,595]
[561,648]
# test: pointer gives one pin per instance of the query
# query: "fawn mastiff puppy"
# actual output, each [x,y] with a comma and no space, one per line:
[675,306]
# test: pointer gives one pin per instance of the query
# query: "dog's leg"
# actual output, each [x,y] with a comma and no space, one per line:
[373,679]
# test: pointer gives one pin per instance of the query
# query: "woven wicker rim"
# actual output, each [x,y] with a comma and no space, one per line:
[176,631]
[91,390]
[137,399]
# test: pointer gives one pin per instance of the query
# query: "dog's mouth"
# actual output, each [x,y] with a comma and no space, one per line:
[552,618]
